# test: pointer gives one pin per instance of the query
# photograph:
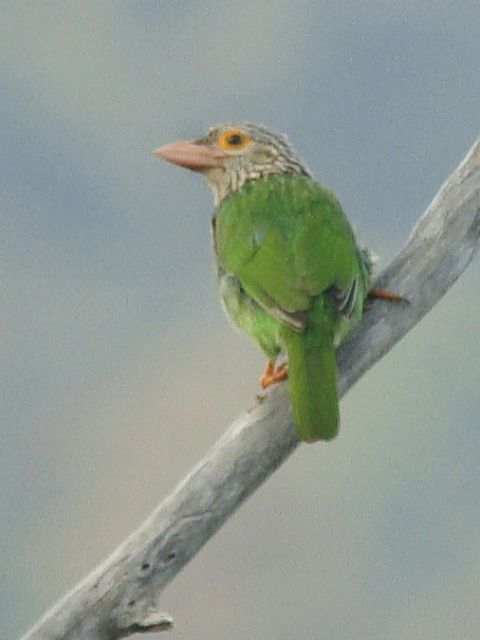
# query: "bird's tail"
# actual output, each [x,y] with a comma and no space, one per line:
[312,375]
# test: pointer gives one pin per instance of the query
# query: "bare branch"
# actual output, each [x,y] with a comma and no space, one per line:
[121,596]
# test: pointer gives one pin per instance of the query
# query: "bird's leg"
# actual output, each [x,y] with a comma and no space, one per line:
[272,374]
[383,294]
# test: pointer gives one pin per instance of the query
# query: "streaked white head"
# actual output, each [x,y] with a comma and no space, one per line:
[229,155]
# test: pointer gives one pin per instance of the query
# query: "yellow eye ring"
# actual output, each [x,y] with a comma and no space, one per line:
[233,140]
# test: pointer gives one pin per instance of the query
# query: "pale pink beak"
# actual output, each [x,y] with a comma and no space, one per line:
[191,155]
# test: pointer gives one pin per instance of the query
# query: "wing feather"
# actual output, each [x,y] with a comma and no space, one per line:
[288,241]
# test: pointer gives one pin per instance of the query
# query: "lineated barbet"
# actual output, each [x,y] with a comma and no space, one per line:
[289,269]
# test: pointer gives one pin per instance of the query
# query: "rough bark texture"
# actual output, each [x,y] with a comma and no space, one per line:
[121,596]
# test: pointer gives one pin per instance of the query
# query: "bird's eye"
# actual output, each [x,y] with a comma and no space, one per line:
[233,140]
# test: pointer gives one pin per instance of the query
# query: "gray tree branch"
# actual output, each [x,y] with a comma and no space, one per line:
[121,596]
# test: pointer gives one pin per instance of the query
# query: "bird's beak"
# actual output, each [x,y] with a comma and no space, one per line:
[191,154]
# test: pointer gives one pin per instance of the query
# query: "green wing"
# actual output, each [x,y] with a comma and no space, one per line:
[287,240]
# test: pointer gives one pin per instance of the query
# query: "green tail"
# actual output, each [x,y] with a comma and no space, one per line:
[312,376]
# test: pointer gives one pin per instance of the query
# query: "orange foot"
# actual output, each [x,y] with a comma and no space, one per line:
[272,374]
[383,294]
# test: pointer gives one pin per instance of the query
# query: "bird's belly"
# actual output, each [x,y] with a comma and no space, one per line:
[246,314]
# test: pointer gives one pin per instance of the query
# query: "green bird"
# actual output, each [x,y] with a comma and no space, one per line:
[289,269]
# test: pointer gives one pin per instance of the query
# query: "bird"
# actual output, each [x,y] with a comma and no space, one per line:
[290,271]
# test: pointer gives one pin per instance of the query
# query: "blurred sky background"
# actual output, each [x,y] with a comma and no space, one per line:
[118,369]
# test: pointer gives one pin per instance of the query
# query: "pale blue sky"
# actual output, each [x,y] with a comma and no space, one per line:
[117,367]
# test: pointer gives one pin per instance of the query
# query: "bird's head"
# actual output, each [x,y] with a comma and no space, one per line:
[229,155]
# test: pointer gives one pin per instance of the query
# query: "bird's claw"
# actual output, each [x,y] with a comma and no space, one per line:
[273,374]
[383,294]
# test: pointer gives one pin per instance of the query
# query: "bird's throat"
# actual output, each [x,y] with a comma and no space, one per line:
[223,182]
